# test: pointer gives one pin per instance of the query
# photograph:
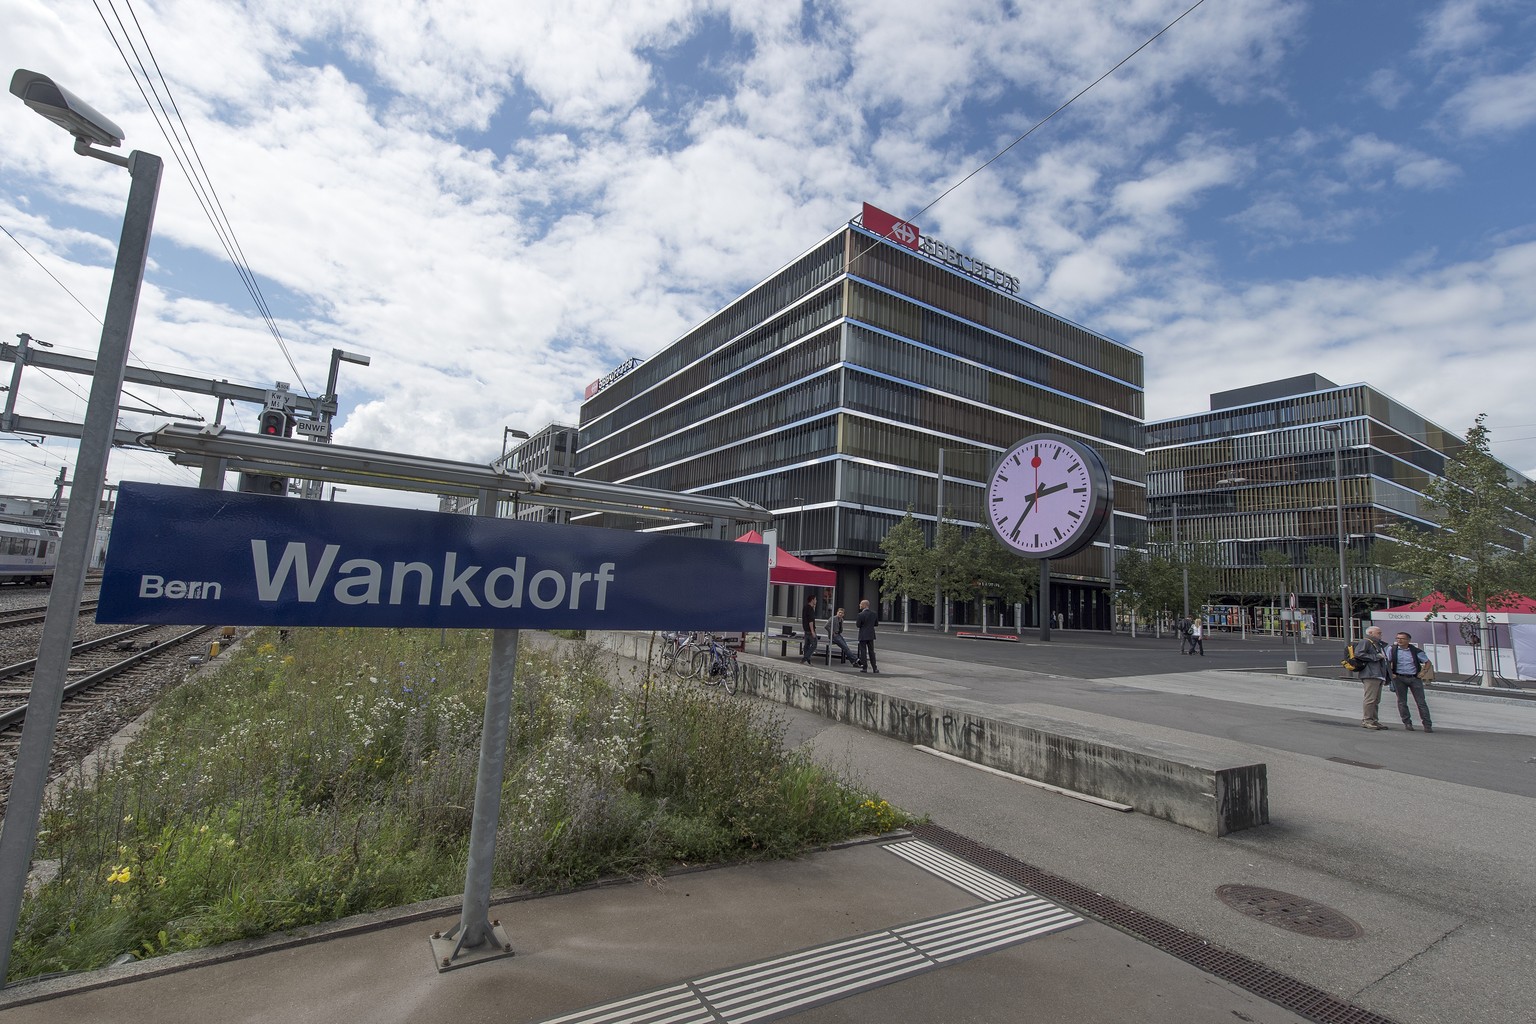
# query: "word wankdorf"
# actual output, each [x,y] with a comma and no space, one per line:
[298,575]
[931,246]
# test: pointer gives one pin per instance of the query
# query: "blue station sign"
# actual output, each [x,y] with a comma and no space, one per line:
[189,556]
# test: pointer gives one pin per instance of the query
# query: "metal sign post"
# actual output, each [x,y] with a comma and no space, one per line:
[476,937]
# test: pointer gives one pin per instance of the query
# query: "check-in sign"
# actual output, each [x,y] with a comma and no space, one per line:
[189,556]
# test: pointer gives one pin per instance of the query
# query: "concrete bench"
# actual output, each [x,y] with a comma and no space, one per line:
[1165,780]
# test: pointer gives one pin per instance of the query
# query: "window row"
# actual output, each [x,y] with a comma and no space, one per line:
[931,413]
[903,317]
[910,274]
[805,275]
[926,368]
[699,418]
[726,467]
[761,343]
[1222,424]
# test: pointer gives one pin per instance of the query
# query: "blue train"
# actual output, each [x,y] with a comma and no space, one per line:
[28,554]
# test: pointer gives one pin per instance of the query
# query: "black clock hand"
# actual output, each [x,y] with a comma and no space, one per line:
[1042,492]
[1029,503]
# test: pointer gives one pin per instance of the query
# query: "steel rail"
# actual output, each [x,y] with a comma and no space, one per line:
[17,715]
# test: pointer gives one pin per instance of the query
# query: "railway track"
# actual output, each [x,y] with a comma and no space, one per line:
[113,679]
[35,613]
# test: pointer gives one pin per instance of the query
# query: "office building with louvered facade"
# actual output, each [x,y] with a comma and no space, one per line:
[1259,473]
[835,392]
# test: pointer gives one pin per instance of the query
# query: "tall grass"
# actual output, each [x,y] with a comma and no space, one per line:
[334,773]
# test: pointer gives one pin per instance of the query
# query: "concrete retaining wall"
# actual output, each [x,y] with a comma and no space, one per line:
[1165,780]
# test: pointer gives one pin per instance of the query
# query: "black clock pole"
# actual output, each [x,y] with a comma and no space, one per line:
[1045,599]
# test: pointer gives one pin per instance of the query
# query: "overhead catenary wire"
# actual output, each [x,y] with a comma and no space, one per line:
[186,154]
[1040,123]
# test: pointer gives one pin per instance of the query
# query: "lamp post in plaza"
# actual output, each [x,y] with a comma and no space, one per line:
[24,804]
[1337,430]
[938,520]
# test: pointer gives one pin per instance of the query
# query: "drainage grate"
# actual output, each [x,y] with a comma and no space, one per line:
[1293,913]
[1297,996]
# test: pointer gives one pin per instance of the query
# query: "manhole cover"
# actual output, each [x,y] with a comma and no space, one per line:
[1294,913]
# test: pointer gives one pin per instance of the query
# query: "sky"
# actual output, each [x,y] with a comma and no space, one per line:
[498,203]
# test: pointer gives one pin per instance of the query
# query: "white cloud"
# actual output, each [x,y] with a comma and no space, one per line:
[1493,104]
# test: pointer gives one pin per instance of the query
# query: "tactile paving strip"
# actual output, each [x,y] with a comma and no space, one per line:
[822,974]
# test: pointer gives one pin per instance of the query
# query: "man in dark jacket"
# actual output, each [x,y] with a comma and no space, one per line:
[1373,652]
[866,620]
[808,624]
[1405,659]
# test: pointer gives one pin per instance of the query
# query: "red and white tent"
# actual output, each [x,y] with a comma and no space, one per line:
[789,570]
[1445,628]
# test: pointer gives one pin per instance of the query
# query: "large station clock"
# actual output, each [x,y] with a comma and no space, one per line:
[1048,496]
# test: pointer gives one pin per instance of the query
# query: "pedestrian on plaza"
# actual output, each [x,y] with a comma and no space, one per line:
[1197,636]
[835,636]
[808,625]
[1183,629]
[1373,652]
[867,620]
[1406,659]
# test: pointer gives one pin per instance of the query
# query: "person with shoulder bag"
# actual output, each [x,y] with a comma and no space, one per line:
[1407,661]
[1373,674]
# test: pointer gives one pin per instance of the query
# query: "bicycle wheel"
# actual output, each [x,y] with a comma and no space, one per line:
[732,678]
[668,657]
[691,662]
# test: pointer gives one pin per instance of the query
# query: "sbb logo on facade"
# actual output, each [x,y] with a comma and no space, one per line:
[188,556]
[906,233]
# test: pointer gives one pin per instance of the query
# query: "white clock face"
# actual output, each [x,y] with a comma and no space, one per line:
[1047,496]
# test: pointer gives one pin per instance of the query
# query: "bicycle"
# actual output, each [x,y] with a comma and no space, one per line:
[717,665]
[685,658]
[674,642]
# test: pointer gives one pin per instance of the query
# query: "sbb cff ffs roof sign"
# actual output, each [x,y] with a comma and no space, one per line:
[188,556]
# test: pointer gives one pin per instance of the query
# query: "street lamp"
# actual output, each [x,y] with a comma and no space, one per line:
[30,777]
[938,521]
[1337,430]
[1179,553]
[507,432]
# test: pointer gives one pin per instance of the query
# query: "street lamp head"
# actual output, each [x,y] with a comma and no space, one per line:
[65,109]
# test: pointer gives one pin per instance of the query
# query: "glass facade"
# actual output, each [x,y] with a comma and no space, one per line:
[1259,476]
[833,392]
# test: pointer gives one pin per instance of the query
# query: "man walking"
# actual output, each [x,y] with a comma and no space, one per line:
[1373,652]
[1406,660]
[866,620]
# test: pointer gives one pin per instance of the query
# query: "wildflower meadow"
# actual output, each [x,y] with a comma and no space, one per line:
[332,773]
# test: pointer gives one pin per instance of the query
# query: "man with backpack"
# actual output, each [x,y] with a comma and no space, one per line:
[1186,645]
[1407,661]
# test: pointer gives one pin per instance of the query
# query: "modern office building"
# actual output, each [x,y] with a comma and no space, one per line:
[550,452]
[1257,473]
[834,392]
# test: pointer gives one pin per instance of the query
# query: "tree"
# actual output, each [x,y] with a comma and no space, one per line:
[996,571]
[1482,550]
[908,565]
[1148,584]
